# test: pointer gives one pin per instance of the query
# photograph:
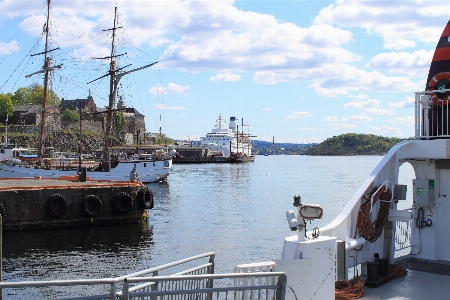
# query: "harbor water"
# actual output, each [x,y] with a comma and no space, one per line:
[236,210]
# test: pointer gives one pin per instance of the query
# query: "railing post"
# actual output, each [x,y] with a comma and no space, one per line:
[125,288]
[155,286]
[210,283]
[281,290]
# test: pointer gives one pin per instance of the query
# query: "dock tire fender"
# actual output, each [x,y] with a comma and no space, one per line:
[56,206]
[92,206]
[122,203]
[2,211]
[145,198]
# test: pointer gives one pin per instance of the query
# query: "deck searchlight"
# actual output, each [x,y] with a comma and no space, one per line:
[305,212]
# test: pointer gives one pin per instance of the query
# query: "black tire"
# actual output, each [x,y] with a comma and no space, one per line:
[56,206]
[3,212]
[92,206]
[122,203]
[145,198]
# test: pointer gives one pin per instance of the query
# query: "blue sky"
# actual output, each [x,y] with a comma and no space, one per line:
[299,71]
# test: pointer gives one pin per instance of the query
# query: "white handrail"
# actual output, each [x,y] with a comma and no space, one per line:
[378,189]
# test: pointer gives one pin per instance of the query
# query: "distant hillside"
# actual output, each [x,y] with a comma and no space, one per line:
[263,147]
[353,144]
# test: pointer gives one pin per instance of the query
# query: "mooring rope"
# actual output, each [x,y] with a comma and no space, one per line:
[367,229]
[352,289]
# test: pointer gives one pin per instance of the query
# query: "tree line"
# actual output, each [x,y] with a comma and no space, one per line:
[31,95]
[34,94]
[354,144]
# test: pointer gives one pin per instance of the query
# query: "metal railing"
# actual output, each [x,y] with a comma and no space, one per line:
[209,287]
[402,238]
[107,288]
[432,117]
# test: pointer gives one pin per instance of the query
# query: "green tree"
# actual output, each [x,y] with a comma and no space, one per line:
[120,123]
[34,95]
[22,96]
[70,115]
[6,106]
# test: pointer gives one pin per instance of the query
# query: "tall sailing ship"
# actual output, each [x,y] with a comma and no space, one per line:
[148,168]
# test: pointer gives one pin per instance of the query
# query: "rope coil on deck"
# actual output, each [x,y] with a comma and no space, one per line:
[352,289]
[397,270]
[367,229]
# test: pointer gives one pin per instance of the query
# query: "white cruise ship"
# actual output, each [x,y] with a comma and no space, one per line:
[223,141]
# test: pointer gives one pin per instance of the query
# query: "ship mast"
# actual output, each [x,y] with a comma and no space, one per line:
[113,83]
[45,69]
[111,90]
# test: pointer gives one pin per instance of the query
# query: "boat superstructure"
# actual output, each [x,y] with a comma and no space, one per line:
[381,228]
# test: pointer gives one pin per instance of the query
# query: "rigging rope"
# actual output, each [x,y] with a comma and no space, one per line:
[367,229]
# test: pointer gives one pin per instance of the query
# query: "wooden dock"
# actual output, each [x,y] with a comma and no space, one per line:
[55,203]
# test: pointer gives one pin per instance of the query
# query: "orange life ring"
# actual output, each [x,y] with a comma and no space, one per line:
[434,83]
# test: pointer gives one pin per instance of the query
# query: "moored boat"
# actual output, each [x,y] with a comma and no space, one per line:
[228,142]
[149,170]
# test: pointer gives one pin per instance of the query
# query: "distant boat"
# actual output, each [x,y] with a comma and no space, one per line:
[228,142]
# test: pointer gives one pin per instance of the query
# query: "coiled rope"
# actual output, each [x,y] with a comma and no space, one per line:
[370,231]
[367,229]
[352,289]
[397,270]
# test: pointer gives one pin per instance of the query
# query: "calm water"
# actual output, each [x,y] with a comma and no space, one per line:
[237,211]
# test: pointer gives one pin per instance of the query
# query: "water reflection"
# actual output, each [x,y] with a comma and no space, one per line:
[76,253]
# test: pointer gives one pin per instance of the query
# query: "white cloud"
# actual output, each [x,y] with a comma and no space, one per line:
[330,119]
[349,126]
[359,97]
[299,114]
[406,103]
[385,131]
[340,80]
[378,111]
[226,77]
[163,107]
[7,48]
[310,129]
[357,119]
[171,88]
[404,121]
[415,64]
[401,24]
[267,109]
[363,104]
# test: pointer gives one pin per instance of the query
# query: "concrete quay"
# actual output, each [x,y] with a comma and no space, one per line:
[27,204]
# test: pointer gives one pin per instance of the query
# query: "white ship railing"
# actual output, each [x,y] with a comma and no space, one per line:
[109,288]
[402,238]
[432,119]
[210,287]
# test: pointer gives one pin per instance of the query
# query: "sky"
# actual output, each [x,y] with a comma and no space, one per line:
[296,71]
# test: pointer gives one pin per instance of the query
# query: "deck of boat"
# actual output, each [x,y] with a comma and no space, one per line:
[415,285]
[63,182]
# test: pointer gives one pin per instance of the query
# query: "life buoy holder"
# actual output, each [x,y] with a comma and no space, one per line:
[92,206]
[56,206]
[2,211]
[442,78]
[122,203]
[145,198]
